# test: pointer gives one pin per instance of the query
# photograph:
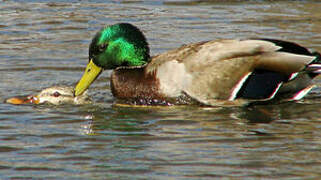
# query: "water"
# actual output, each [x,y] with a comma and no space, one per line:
[45,43]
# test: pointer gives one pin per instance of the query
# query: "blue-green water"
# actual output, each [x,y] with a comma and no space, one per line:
[45,43]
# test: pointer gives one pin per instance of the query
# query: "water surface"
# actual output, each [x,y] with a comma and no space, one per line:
[45,43]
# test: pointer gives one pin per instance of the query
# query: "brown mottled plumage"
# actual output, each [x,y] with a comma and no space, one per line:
[53,95]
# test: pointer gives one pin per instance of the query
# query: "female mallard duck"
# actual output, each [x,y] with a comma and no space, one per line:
[219,72]
[53,95]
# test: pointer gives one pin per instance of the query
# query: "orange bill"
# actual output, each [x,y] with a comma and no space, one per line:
[23,100]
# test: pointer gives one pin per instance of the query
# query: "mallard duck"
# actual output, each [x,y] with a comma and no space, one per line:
[53,95]
[214,73]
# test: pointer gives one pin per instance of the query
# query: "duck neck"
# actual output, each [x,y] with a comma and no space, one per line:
[134,83]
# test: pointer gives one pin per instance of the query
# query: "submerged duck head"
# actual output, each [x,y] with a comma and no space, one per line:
[54,95]
[114,46]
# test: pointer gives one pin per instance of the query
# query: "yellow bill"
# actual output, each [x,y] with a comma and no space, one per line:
[91,73]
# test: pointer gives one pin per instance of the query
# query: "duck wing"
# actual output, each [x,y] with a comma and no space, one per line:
[215,71]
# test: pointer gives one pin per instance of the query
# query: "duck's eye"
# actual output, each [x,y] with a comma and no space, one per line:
[56,94]
[102,47]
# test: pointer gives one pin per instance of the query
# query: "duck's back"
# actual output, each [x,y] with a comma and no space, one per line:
[215,71]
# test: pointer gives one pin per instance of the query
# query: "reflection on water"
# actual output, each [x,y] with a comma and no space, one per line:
[45,43]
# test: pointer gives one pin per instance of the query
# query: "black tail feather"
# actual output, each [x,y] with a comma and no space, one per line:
[289,47]
[264,84]
[261,84]
[314,68]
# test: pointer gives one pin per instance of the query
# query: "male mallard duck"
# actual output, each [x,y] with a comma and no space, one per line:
[218,72]
[53,95]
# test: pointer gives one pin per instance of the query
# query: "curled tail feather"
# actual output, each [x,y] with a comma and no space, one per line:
[314,68]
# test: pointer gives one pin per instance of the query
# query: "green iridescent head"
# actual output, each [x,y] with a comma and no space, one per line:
[119,45]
